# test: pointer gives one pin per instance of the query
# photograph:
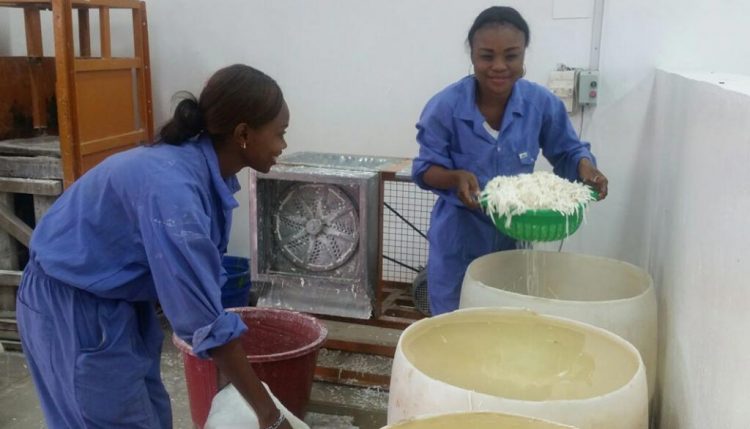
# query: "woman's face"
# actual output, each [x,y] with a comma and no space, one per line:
[267,142]
[498,54]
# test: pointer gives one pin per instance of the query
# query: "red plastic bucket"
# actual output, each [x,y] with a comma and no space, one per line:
[282,347]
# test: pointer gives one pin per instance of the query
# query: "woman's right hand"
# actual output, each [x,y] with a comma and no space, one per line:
[467,188]
[232,362]
[464,182]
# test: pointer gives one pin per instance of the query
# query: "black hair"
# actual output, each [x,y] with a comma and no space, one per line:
[499,15]
[233,95]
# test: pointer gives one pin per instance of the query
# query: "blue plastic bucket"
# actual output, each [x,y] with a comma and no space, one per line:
[236,291]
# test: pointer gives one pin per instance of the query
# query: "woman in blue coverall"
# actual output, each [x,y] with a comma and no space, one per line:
[145,225]
[488,124]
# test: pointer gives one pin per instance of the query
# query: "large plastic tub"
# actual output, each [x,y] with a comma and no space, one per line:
[282,346]
[607,293]
[511,360]
[477,420]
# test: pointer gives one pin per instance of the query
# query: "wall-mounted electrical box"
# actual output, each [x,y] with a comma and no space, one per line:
[588,87]
[563,84]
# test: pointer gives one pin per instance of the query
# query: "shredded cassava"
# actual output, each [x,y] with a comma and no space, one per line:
[513,195]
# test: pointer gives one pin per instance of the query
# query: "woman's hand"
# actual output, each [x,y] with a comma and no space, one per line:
[467,188]
[464,182]
[232,361]
[591,176]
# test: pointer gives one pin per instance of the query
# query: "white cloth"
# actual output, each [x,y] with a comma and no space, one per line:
[229,410]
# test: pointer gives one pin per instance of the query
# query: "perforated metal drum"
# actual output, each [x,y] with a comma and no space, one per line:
[316,226]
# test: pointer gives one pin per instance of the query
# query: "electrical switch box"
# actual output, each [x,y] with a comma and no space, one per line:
[588,87]
[562,83]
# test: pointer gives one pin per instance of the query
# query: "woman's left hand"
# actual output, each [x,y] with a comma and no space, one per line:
[591,176]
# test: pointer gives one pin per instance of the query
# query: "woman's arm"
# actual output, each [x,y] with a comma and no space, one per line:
[464,182]
[570,157]
[590,175]
[231,361]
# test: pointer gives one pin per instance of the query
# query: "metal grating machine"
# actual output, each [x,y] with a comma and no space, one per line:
[329,230]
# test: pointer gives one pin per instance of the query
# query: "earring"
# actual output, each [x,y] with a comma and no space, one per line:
[244,144]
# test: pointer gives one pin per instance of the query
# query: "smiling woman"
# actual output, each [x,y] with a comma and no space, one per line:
[145,225]
[492,123]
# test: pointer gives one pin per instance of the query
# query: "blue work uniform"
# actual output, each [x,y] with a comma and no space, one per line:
[452,133]
[147,224]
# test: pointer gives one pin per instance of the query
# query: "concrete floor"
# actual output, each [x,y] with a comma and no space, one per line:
[331,406]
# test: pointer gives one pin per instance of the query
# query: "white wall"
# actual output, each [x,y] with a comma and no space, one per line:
[637,37]
[700,247]
[676,151]
[356,73]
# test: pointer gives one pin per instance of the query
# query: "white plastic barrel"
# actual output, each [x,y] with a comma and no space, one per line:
[607,293]
[477,420]
[515,361]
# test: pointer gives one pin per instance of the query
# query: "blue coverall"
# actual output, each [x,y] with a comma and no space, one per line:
[146,224]
[452,133]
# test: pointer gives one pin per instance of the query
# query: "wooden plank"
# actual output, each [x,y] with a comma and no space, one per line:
[8,294]
[30,186]
[10,277]
[108,143]
[14,226]
[19,95]
[8,246]
[78,4]
[379,321]
[36,146]
[99,64]
[353,368]
[42,203]
[41,4]
[389,171]
[360,347]
[105,37]
[33,23]
[84,33]
[12,345]
[352,378]
[38,167]
[35,51]
[105,104]
[66,93]
[8,330]
[91,161]
[113,4]
[349,399]
[143,74]
[365,333]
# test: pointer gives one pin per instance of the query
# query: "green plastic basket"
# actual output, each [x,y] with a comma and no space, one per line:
[539,225]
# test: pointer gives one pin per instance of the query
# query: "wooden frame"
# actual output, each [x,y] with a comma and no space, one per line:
[97,112]
[103,106]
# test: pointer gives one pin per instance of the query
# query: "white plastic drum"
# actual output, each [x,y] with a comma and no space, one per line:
[477,420]
[607,293]
[514,361]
